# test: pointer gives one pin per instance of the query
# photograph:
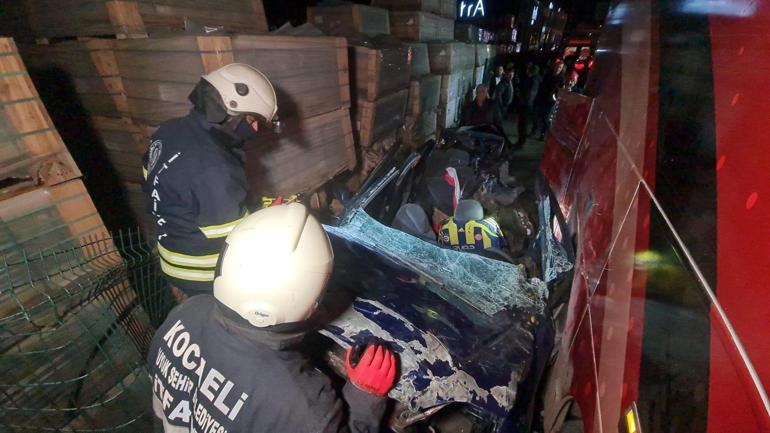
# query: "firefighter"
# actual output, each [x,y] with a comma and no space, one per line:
[228,361]
[194,175]
[469,230]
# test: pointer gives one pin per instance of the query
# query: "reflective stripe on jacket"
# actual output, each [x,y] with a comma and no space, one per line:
[196,191]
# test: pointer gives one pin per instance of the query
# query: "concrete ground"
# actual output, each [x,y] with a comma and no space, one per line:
[527,160]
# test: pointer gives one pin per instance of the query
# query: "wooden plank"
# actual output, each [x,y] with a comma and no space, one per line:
[421,128]
[376,119]
[47,217]
[136,19]
[349,19]
[449,114]
[432,6]
[126,19]
[467,32]
[88,65]
[31,151]
[420,62]
[421,27]
[124,145]
[448,9]
[484,53]
[424,95]
[457,85]
[371,156]
[310,74]
[446,58]
[379,71]
[307,154]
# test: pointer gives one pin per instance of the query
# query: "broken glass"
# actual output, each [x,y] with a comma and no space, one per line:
[491,286]
[554,259]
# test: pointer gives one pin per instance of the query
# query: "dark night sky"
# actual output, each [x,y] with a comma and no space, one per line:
[280,11]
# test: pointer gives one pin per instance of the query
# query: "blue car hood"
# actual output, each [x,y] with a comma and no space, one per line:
[463,325]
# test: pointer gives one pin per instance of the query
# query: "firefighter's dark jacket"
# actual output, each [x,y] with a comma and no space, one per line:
[213,371]
[196,189]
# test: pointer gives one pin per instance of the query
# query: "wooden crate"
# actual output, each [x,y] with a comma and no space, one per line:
[449,9]
[448,57]
[421,26]
[432,6]
[376,119]
[421,128]
[420,62]
[349,19]
[306,155]
[468,33]
[137,203]
[424,95]
[456,86]
[370,156]
[158,74]
[379,71]
[124,144]
[309,74]
[88,66]
[449,114]
[129,19]
[48,217]
[484,53]
[31,151]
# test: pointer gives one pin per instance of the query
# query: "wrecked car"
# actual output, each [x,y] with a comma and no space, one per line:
[466,326]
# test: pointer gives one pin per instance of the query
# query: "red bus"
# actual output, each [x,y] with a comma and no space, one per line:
[660,174]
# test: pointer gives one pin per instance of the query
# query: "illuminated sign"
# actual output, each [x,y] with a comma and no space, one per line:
[472,9]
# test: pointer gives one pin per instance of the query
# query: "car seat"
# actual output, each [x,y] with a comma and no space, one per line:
[411,219]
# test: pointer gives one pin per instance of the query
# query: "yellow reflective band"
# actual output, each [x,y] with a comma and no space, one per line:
[145,173]
[470,233]
[209,261]
[222,230]
[186,274]
[451,228]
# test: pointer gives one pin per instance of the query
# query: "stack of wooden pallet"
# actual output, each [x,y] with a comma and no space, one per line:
[43,203]
[129,18]
[127,87]
[455,62]
[310,77]
[380,73]
[349,19]
[420,20]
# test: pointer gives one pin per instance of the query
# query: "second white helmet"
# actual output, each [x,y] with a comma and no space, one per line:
[244,90]
[275,266]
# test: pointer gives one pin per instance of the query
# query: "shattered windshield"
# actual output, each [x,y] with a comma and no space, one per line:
[488,285]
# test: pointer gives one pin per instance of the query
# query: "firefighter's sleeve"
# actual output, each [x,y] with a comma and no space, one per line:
[221,199]
[365,412]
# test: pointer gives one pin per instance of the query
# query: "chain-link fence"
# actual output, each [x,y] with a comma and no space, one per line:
[75,326]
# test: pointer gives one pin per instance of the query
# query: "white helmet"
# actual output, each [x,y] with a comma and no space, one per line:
[244,90]
[275,266]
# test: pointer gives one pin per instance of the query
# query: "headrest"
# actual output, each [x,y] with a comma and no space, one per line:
[468,210]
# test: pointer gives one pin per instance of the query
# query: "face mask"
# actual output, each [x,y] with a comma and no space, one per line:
[242,129]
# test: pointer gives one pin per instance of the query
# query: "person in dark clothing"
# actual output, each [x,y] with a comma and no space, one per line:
[482,110]
[195,182]
[546,97]
[495,80]
[230,362]
[528,87]
[504,94]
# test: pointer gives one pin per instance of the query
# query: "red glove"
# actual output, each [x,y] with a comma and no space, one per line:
[375,372]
